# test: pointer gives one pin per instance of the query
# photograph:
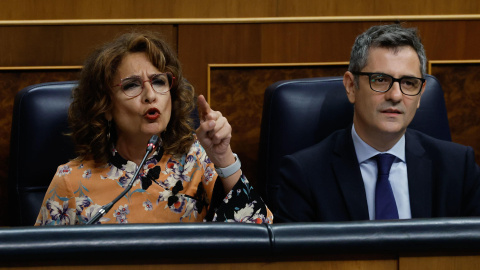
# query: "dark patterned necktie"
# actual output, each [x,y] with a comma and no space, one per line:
[385,206]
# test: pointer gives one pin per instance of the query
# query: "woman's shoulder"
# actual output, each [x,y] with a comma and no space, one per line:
[78,165]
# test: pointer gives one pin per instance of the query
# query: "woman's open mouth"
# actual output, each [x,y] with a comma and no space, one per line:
[152,114]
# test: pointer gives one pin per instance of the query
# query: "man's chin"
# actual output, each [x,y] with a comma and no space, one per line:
[393,130]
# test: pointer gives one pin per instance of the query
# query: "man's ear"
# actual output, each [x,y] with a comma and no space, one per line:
[349,83]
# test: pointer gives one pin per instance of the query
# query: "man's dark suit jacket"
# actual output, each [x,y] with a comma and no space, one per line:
[324,182]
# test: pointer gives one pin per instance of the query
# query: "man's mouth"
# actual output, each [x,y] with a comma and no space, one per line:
[391,111]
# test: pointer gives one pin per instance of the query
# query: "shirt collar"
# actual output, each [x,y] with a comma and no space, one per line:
[365,151]
[120,162]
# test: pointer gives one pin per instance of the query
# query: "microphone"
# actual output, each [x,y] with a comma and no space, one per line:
[152,144]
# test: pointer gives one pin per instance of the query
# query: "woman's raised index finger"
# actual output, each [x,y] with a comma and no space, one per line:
[203,107]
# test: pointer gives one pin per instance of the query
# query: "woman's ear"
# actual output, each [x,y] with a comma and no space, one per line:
[108,115]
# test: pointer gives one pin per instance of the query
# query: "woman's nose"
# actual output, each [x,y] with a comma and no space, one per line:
[148,91]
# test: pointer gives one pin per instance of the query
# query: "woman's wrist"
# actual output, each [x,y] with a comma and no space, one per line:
[229,170]
[222,160]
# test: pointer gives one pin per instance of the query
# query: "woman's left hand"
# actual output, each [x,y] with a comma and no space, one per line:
[214,133]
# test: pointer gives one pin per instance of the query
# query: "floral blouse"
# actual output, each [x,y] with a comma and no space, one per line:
[170,189]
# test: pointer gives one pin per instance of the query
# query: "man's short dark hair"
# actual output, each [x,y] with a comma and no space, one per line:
[390,36]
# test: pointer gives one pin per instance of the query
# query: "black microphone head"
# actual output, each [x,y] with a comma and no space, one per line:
[154,140]
[153,143]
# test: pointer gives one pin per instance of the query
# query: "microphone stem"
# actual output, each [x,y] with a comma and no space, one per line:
[109,206]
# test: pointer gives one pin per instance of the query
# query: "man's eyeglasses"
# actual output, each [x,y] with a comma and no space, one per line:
[380,82]
[133,86]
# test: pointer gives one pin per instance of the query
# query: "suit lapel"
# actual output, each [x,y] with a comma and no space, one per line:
[419,171]
[349,177]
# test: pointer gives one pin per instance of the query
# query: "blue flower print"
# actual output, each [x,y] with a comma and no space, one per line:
[190,208]
[172,166]
[130,167]
[190,159]
[121,214]
[123,181]
[64,170]
[61,214]
[247,215]
[87,174]
[228,197]
[188,166]
[114,173]
[179,205]
[174,178]
[148,205]
[209,173]
[82,203]
[45,217]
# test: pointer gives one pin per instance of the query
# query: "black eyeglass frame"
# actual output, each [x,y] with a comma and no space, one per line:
[399,80]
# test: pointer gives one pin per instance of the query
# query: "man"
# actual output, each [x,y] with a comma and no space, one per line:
[339,178]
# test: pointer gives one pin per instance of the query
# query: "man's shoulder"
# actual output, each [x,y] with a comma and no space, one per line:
[323,147]
[437,149]
[431,142]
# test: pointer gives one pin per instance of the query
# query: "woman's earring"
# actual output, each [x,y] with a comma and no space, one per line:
[108,130]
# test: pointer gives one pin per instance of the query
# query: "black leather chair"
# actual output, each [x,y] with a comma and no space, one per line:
[38,145]
[299,113]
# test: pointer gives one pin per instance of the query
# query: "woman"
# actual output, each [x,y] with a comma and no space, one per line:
[129,90]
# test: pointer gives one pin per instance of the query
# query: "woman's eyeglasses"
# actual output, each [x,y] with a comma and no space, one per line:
[133,86]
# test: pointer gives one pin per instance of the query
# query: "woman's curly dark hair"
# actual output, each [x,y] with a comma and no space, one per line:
[91,98]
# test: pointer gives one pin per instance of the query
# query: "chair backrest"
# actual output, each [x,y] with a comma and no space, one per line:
[299,113]
[38,145]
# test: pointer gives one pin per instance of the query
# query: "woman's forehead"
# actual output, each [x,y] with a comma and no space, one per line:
[135,64]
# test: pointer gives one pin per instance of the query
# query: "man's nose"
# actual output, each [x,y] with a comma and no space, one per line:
[395,93]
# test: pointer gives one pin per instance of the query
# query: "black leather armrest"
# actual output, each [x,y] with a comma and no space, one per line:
[379,237]
[127,242]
